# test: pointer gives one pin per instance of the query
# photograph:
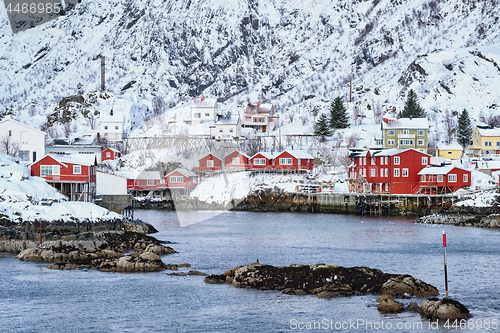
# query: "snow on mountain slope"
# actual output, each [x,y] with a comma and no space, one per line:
[296,54]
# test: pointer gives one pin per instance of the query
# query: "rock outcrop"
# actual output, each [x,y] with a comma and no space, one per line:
[465,220]
[444,309]
[323,280]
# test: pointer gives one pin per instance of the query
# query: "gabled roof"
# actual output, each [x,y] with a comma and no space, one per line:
[202,102]
[237,151]
[450,147]
[299,154]
[142,175]
[488,131]
[267,154]
[228,121]
[112,149]
[84,159]
[438,170]
[405,123]
[106,116]
[18,123]
[217,157]
[259,108]
[184,171]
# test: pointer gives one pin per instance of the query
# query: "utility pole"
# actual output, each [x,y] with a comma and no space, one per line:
[350,88]
[103,70]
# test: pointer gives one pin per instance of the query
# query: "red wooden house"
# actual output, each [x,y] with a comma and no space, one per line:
[262,161]
[294,160]
[110,154]
[181,178]
[209,162]
[145,180]
[73,175]
[436,179]
[393,171]
[236,161]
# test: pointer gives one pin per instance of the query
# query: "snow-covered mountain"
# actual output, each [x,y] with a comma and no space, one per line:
[297,54]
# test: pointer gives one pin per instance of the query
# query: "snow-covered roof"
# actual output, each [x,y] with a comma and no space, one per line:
[300,154]
[202,102]
[450,147]
[84,159]
[85,140]
[234,120]
[112,149]
[106,117]
[136,174]
[184,171]
[267,154]
[5,121]
[237,151]
[438,169]
[488,131]
[259,108]
[405,123]
[390,152]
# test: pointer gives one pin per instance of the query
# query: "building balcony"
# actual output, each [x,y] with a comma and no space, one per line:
[406,136]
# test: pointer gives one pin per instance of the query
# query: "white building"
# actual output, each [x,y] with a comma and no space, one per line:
[203,109]
[30,140]
[108,184]
[226,128]
[111,127]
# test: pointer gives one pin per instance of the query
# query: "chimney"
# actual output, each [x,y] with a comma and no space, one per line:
[202,98]
[258,103]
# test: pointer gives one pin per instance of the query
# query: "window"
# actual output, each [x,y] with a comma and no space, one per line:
[386,160]
[108,154]
[10,132]
[210,163]
[420,142]
[105,127]
[373,160]
[176,179]
[77,169]
[387,187]
[390,132]
[364,160]
[364,173]
[440,178]
[45,170]
[116,127]
[105,134]
[420,132]
[424,178]
[387,172]
[390,142]
[406,142]
[285,161]
[236,160]
[56,169]
[221,130]
[254,120]
[207,114]
[405,172]
[381,172]
[466,178]
[151,182]
[396,160]
[406,132]
[452,178]
[24,155]
[396,172]
[230,131]
[259,161]
[197,115]
[424,160]
[487,143]
[498,143]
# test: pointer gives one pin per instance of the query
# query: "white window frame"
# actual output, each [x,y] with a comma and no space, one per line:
[420,142]
[406,132]
[108,154]
[405,172]
[150,182]
[286,161]
[364,160]
[420,133]
[387,187]
[466,178]
[397,160]
[374,162]
[390,142]
[56,170]
[45,169]
[259,161]
[373,172]
[396,172]
[197,115]
[236,160]
[488,143]
[391,133]
[210,163]
[452,178]
[424,178]
[77,169]
[425,160]
[440,178]
[387,172]
[381,172]
[176,179]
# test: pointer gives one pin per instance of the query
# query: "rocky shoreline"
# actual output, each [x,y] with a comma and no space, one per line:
[465,220]
[328,281]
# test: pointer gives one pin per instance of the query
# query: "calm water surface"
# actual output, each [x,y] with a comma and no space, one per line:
[36,299]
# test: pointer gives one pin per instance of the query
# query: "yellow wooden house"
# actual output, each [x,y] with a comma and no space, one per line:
[451,152]
[485,140]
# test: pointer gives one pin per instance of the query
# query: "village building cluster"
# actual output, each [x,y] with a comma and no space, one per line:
[400,166]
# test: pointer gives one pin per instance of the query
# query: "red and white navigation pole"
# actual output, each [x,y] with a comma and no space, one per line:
[445,271]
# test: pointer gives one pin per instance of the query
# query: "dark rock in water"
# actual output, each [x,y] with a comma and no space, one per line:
[324,280]
[197,273]
[178,274]
[184,265]
[413,307]
[215,279]
[445,308]
[389,305]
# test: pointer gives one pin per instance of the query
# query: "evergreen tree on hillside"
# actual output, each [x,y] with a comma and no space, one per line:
[338,114]
[412,108]
[464,134]
[321,126]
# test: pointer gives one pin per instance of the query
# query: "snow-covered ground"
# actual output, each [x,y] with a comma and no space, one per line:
[27,198]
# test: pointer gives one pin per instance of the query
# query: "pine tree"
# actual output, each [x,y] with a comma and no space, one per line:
[321,126]
[338,114]
[412,108]
[464,134]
